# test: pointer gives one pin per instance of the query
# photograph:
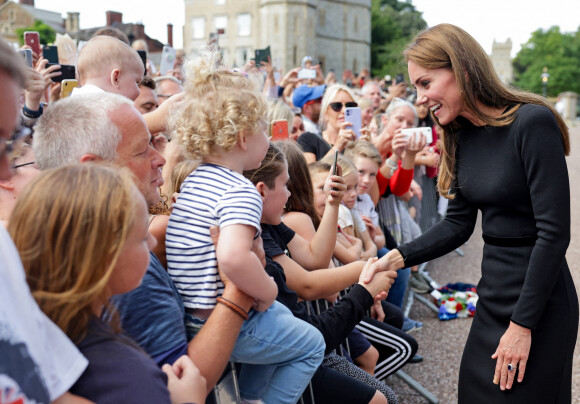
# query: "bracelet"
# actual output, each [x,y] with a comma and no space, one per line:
[392,166]
[232,306]
[30,113]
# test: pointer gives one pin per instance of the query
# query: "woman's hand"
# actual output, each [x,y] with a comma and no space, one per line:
[184,382]
[334,188]
[380,283]
[399,143]
[345,135]
[427,157]
[416,143]
[365,135]
[370,226]
[513,349]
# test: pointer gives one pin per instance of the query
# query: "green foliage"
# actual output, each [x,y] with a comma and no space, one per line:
[45,32]
[559,52]
[393,25]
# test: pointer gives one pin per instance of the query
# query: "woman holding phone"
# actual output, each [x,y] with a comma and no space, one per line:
[336,132]
[526,322]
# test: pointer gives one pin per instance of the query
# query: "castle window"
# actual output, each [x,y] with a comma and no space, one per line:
[244,22]
[198,27]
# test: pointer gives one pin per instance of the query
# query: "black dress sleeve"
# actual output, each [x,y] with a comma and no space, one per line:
[312,143]
[445,236]
[542,153]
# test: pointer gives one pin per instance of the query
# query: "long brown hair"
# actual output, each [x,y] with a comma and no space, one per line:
[300,185]
[450,47]
[70,225]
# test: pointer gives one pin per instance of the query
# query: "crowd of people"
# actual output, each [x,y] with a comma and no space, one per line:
[155,232]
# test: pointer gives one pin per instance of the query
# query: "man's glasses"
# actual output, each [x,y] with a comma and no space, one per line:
[337,106]
[14,144]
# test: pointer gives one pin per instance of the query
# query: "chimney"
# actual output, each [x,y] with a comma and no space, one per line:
[27,2]
[139,31]
[114,17]
[170,34]
[72,22]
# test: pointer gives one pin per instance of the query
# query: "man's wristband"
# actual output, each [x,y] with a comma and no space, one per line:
[30,113]
[232,306]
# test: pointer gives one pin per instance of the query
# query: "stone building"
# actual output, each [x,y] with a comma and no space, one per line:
[502,61]
[23,14]
[336,33]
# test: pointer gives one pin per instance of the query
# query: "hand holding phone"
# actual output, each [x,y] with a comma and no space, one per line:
[68,72]
[307,74]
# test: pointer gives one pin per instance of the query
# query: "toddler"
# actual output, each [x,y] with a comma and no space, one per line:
[222,123]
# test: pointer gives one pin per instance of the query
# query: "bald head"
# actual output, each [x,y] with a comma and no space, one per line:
[111,65]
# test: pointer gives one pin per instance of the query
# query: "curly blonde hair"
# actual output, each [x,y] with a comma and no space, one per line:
[219,105]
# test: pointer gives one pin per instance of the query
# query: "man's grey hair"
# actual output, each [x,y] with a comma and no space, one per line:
[160,79]
[369,85]
[397,103]
[75,126]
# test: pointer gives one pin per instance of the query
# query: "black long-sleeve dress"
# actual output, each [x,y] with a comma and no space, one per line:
[517,177]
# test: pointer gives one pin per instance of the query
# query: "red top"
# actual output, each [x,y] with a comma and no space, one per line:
[399,183]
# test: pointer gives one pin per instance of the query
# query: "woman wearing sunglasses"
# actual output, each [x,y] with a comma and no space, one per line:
[336,133]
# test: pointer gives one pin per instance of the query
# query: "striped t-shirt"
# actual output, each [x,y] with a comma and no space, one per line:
[210,196]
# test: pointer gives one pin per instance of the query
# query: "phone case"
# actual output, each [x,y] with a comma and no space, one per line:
[32,39]
[66,87]
[167,60]
[280,130]
[353,115]
[50,53]
[425,131]
[27,56]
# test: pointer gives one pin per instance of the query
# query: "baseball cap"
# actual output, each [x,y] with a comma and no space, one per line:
[303,94]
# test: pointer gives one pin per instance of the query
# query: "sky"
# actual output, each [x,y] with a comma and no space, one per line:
[486,20]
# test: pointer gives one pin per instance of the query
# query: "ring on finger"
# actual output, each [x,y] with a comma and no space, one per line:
[510,367]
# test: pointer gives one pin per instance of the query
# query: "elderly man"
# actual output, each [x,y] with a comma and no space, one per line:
[107,127]
[372,91]
[166,87]
[38,362]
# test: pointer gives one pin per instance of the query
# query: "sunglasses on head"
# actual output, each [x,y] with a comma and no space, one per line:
[337,106]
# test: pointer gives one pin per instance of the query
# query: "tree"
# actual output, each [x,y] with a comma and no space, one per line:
[393,24]
[559,52]
[46,33]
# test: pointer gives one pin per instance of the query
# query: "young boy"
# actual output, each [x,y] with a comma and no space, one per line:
[108,64]
[222,124]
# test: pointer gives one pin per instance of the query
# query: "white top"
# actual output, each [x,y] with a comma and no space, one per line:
[310,126]
[347,217]
[38,363]
[86,89]
[364,206]
[210,196]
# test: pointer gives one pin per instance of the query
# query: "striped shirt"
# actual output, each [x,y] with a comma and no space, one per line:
[210,196]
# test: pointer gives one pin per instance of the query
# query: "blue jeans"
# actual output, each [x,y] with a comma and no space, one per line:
[397,291]
[279,354]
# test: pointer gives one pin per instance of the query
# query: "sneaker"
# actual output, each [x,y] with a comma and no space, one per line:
[416,359]
[411,325]
[418,284]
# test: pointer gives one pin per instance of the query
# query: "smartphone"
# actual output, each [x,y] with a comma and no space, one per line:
[335,166]
[262,55]
[280,130]
[66,87]
[68,72]
[50,53]
[27,56]
[307,74]
[425,131]
[143,56]
[400,78]
[167,59]
[32,39]
[353,115]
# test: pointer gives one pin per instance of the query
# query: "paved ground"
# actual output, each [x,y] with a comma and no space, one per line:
[441,343]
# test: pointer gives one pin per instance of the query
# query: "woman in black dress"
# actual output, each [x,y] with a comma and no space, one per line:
[503,154]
